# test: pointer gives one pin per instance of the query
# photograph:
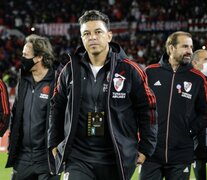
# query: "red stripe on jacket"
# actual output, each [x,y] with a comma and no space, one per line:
[204,79]
[150,95]
[4,103]
[153,66]
[4,99]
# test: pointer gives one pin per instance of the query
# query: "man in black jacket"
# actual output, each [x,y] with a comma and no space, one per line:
[27,151]
[101,102]
[4,108]
[180,91]
[199,61]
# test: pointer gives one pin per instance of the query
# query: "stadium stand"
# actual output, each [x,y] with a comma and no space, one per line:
[146,26]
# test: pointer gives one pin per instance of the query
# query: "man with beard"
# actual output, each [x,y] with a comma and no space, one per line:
[180,91]
[199,61]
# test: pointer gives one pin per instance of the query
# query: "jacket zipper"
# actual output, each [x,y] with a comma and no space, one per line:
[168,118]
[48,151]
[30,136]
[95,108]
[110,121]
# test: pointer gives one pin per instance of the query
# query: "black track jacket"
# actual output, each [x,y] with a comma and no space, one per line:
[4,108]
[181,104]
[37,105]
[129,107]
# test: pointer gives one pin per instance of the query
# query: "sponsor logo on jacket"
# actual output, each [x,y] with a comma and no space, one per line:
[45,92]
[187,87]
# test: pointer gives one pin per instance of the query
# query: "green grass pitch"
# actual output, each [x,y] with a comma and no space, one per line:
[5,173]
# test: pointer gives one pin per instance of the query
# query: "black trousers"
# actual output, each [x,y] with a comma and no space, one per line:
[200,169]
[81,170]
[36,171]
[158,171]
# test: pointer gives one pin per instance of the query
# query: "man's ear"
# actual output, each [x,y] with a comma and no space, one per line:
[171,47]
[194,63]
[110,35]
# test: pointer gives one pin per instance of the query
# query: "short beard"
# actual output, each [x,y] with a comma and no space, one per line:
[184,61]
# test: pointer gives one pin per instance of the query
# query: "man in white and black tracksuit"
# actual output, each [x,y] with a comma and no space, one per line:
[180,91]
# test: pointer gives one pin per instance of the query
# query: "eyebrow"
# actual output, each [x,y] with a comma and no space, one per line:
[93,30]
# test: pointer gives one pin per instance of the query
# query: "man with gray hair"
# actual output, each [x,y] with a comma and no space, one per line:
[27,151]
[199,61]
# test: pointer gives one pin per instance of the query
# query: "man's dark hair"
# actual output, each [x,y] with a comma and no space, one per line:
[42,47]
[94,15]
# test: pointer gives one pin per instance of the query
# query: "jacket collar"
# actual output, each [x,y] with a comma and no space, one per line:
[114,48]
[48,77]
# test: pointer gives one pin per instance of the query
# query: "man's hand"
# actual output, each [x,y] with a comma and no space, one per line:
[141,158]
[54,151]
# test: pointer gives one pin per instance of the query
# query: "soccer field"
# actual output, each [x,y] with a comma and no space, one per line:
[5,173]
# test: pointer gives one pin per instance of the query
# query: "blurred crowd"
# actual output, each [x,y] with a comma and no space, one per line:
[20,13]
[143,47]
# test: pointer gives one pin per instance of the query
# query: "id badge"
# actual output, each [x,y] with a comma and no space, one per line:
[96,123]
